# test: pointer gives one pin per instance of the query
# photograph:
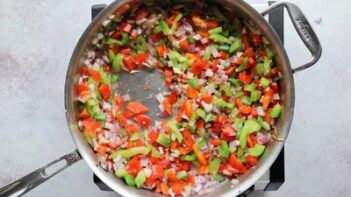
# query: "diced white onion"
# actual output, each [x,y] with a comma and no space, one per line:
[159,97]
[207,107]
[127,28]
[276,96]
[106,22]
[197,37]
[204,40]
[260,111]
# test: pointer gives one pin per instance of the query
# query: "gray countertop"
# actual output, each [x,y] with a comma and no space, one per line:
[36,42]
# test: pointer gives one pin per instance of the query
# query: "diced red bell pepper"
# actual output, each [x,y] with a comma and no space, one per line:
[153,136]
[137,107]
[168,77]
[143,120]
[140,58]
[227,168]
[162,50]
[188,108]
[95,75]
[91,126]
[198,66]
[105,92]
[131,128]
[167,106]
[236,163]
[81,88]
[245,77]
[192,92]
[211,24]
[184,45]
[134,166]
[228,133]
[129,63]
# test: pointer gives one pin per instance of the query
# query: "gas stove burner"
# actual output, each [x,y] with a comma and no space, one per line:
[275,177]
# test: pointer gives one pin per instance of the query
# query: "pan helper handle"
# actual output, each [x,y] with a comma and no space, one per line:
[33,179]
[304,30]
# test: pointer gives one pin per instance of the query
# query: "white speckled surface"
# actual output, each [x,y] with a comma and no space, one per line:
[36,42]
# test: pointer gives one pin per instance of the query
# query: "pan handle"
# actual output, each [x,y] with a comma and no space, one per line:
[304,30]
[33,179]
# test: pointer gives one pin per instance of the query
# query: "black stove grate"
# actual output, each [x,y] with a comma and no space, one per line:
[276,171]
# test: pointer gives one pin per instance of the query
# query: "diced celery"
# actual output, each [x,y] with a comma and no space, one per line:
[191,157]
[235,45]
[213,166]
[224,149]
[117,63]
[255,95]
[140,179]
[164,27]
[264,82]
[182,175]
[215,30]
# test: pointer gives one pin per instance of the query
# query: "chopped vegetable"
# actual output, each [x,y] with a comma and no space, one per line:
[164,140]
[218,95]
[275,113]
[257,150]
[128,153]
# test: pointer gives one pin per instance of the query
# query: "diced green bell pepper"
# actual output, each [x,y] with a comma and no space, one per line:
[257,150]
[219,177]
[276,110]
[111,55]
[128,153]
[234,81]
[121,173]
[251,87]
[263,123]
[246,100]
[250,126]
[135,136]
[117,63]
[92,106]
[194,82]
[130,180]
[141,43]
[255,95]
[163,139]
[191,157]
[155,153]
[175,130]
[201,113]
